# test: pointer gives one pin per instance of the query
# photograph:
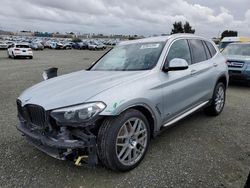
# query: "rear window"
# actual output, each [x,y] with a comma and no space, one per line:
[22,46]
[207,50]
[198,51]
[211,48]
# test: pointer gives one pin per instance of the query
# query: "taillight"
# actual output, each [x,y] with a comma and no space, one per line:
[29,49]
[16,49]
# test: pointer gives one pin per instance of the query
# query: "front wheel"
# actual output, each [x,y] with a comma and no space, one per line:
[123,140]
[218,100]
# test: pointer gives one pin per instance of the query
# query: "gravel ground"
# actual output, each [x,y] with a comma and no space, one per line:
[199,151]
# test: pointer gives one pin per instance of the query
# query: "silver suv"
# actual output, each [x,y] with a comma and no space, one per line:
[109,112]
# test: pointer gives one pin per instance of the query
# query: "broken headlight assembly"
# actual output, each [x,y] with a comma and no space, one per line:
[78,114]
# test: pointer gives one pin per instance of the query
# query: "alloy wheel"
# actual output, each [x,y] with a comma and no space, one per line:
[220,99]
[131,142]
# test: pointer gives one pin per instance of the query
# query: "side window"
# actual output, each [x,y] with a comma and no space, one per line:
[207,50]
[198,50]
[179,49]
[211,48]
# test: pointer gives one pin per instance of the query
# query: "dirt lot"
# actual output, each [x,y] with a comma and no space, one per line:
[198,152]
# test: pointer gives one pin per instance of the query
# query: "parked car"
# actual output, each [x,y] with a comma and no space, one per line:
[36,46]
[92,46]
[53,45]
[112,110]
[20,50]
[67,46]
[9,43]
[59,46]
[238,60]
[100,46]
[80,45]
[228,40]
[96,46]
[46,44]
[3,45]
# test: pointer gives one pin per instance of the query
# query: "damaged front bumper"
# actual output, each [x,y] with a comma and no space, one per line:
[65,144]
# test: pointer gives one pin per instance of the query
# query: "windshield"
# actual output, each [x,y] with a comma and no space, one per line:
[131,57]
[237,49]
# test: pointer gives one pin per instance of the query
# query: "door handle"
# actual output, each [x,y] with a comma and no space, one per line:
[193,72]
[215,64]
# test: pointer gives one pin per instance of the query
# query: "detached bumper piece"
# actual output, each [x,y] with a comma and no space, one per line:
[60,142]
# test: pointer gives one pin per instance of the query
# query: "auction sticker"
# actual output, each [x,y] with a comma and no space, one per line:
[147,46]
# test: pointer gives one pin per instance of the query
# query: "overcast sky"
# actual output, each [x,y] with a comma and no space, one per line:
[145,17]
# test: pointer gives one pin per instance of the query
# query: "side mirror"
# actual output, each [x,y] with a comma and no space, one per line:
[50,73]
[176,64]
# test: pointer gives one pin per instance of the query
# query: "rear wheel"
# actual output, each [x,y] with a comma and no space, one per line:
[123,141]
[13,56]
[218,100]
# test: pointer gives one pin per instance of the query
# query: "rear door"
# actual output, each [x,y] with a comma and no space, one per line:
[202,70]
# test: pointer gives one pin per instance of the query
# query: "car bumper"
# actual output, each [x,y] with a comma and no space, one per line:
[20,55]
[61,148]
[239,75]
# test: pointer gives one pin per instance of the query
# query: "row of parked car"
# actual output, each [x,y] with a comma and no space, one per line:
[41,45]
[37,43]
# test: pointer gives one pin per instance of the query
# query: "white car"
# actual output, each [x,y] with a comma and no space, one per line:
[96,46]
[20,50]
[3,45]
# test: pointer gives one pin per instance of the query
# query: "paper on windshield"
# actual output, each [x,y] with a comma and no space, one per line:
[147,46]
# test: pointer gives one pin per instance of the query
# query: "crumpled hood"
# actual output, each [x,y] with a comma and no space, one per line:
[75,88]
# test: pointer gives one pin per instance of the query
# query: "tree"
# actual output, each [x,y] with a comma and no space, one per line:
[229,33]
[188,28]
[178,27]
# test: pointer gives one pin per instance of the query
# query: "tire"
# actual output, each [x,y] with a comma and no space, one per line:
[13,56]
[215,107]
[123,154]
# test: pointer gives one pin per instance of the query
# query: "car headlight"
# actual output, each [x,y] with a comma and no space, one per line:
[79,113]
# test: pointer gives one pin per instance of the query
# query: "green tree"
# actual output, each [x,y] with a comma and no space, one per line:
[188,28]
[229,33]
[177,28]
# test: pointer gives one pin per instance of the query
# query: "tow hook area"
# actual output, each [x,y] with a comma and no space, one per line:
[90,159]
[79,160]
